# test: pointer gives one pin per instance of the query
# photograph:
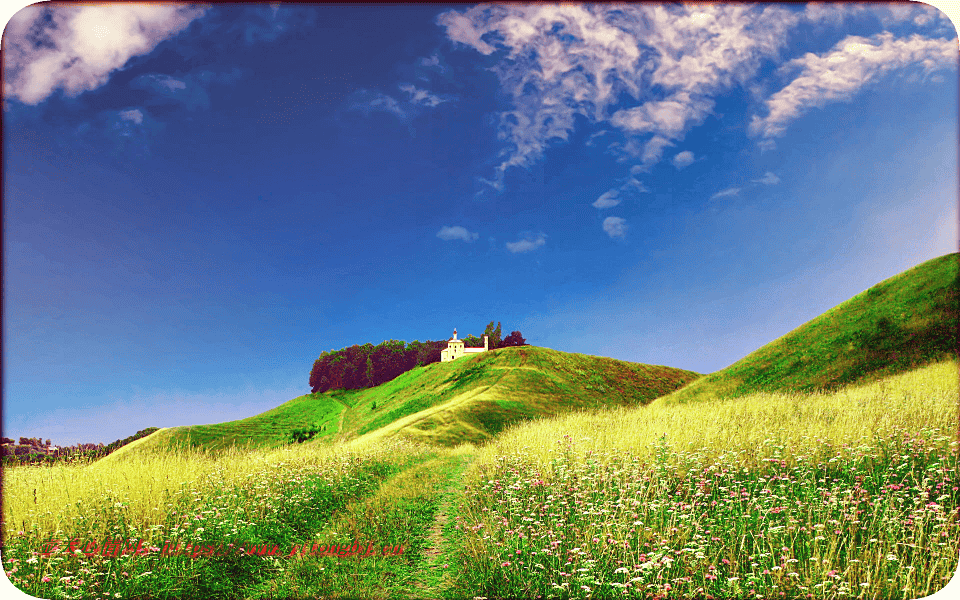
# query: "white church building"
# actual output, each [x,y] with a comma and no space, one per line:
[455,348]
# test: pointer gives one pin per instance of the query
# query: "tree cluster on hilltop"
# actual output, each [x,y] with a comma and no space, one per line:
[363,366]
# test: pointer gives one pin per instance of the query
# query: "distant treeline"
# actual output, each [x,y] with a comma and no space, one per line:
[366,366]
[33,450]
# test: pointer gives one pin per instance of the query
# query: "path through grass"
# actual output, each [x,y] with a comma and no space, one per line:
[411,514]
[437,576]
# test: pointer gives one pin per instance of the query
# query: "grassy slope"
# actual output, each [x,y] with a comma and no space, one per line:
[270,428]
[899,324]
[474,398]
[467,400]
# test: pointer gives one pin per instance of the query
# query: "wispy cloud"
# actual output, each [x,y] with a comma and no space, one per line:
[456,232]
[558,61]
[166,88]
[433,61]
[616,227]
[666,63]
[767,179]
[683,159]
[421,97]
[667,118]
[130,131]
[592,140]
[607,199]
[730,191]
[839,74]
[75,48]
[367,102]
[528,243]
[630,186]
[134,115]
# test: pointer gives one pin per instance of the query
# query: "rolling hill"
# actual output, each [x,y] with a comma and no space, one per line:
[903,322]
[467,400]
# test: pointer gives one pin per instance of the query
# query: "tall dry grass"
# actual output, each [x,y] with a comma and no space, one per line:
[46,499]
[750,426]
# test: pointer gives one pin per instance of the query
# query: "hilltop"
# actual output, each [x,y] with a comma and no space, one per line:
[470,399]
[899,324]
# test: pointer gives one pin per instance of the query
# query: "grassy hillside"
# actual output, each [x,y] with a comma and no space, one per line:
[467,400]
[268,429]
[899,324]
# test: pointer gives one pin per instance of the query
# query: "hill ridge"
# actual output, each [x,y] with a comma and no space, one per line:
[470,399]
[901,323]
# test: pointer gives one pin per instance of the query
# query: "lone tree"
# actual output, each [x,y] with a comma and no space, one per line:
[493,335]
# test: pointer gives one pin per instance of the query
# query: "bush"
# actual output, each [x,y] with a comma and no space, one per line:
[302,434]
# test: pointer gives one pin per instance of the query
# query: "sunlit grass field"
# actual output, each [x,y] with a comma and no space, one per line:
[181,496]
[849,494]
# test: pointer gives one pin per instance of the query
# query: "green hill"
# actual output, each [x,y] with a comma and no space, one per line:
[467,400]
[906,321]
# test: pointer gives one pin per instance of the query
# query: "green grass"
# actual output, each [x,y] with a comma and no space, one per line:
[467,400]
[269,429]
[474,398]
[901,323]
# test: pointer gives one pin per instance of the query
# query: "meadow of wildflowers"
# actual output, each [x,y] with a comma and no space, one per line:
[795,515]
[249,517]
[848,494]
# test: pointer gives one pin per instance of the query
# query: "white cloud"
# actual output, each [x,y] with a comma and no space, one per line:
[366,102]
[839,74]
[608,199]
[730,191]
[558,61]
[420,97]
[616,227]
[76,47]
[653,150]
[456,232]
[768,179]
[167,82]
[683,159]
[766,145]
[166,87]
[463,30]
[591,141]
[527,244]
[433,61]
[387,104]
[132,115]
[668,117]
[189,90]
[636,184]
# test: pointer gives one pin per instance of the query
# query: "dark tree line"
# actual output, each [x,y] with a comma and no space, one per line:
[362,366]
[32,450]
[368,365]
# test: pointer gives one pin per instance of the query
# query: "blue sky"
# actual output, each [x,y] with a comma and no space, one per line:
[199,200]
